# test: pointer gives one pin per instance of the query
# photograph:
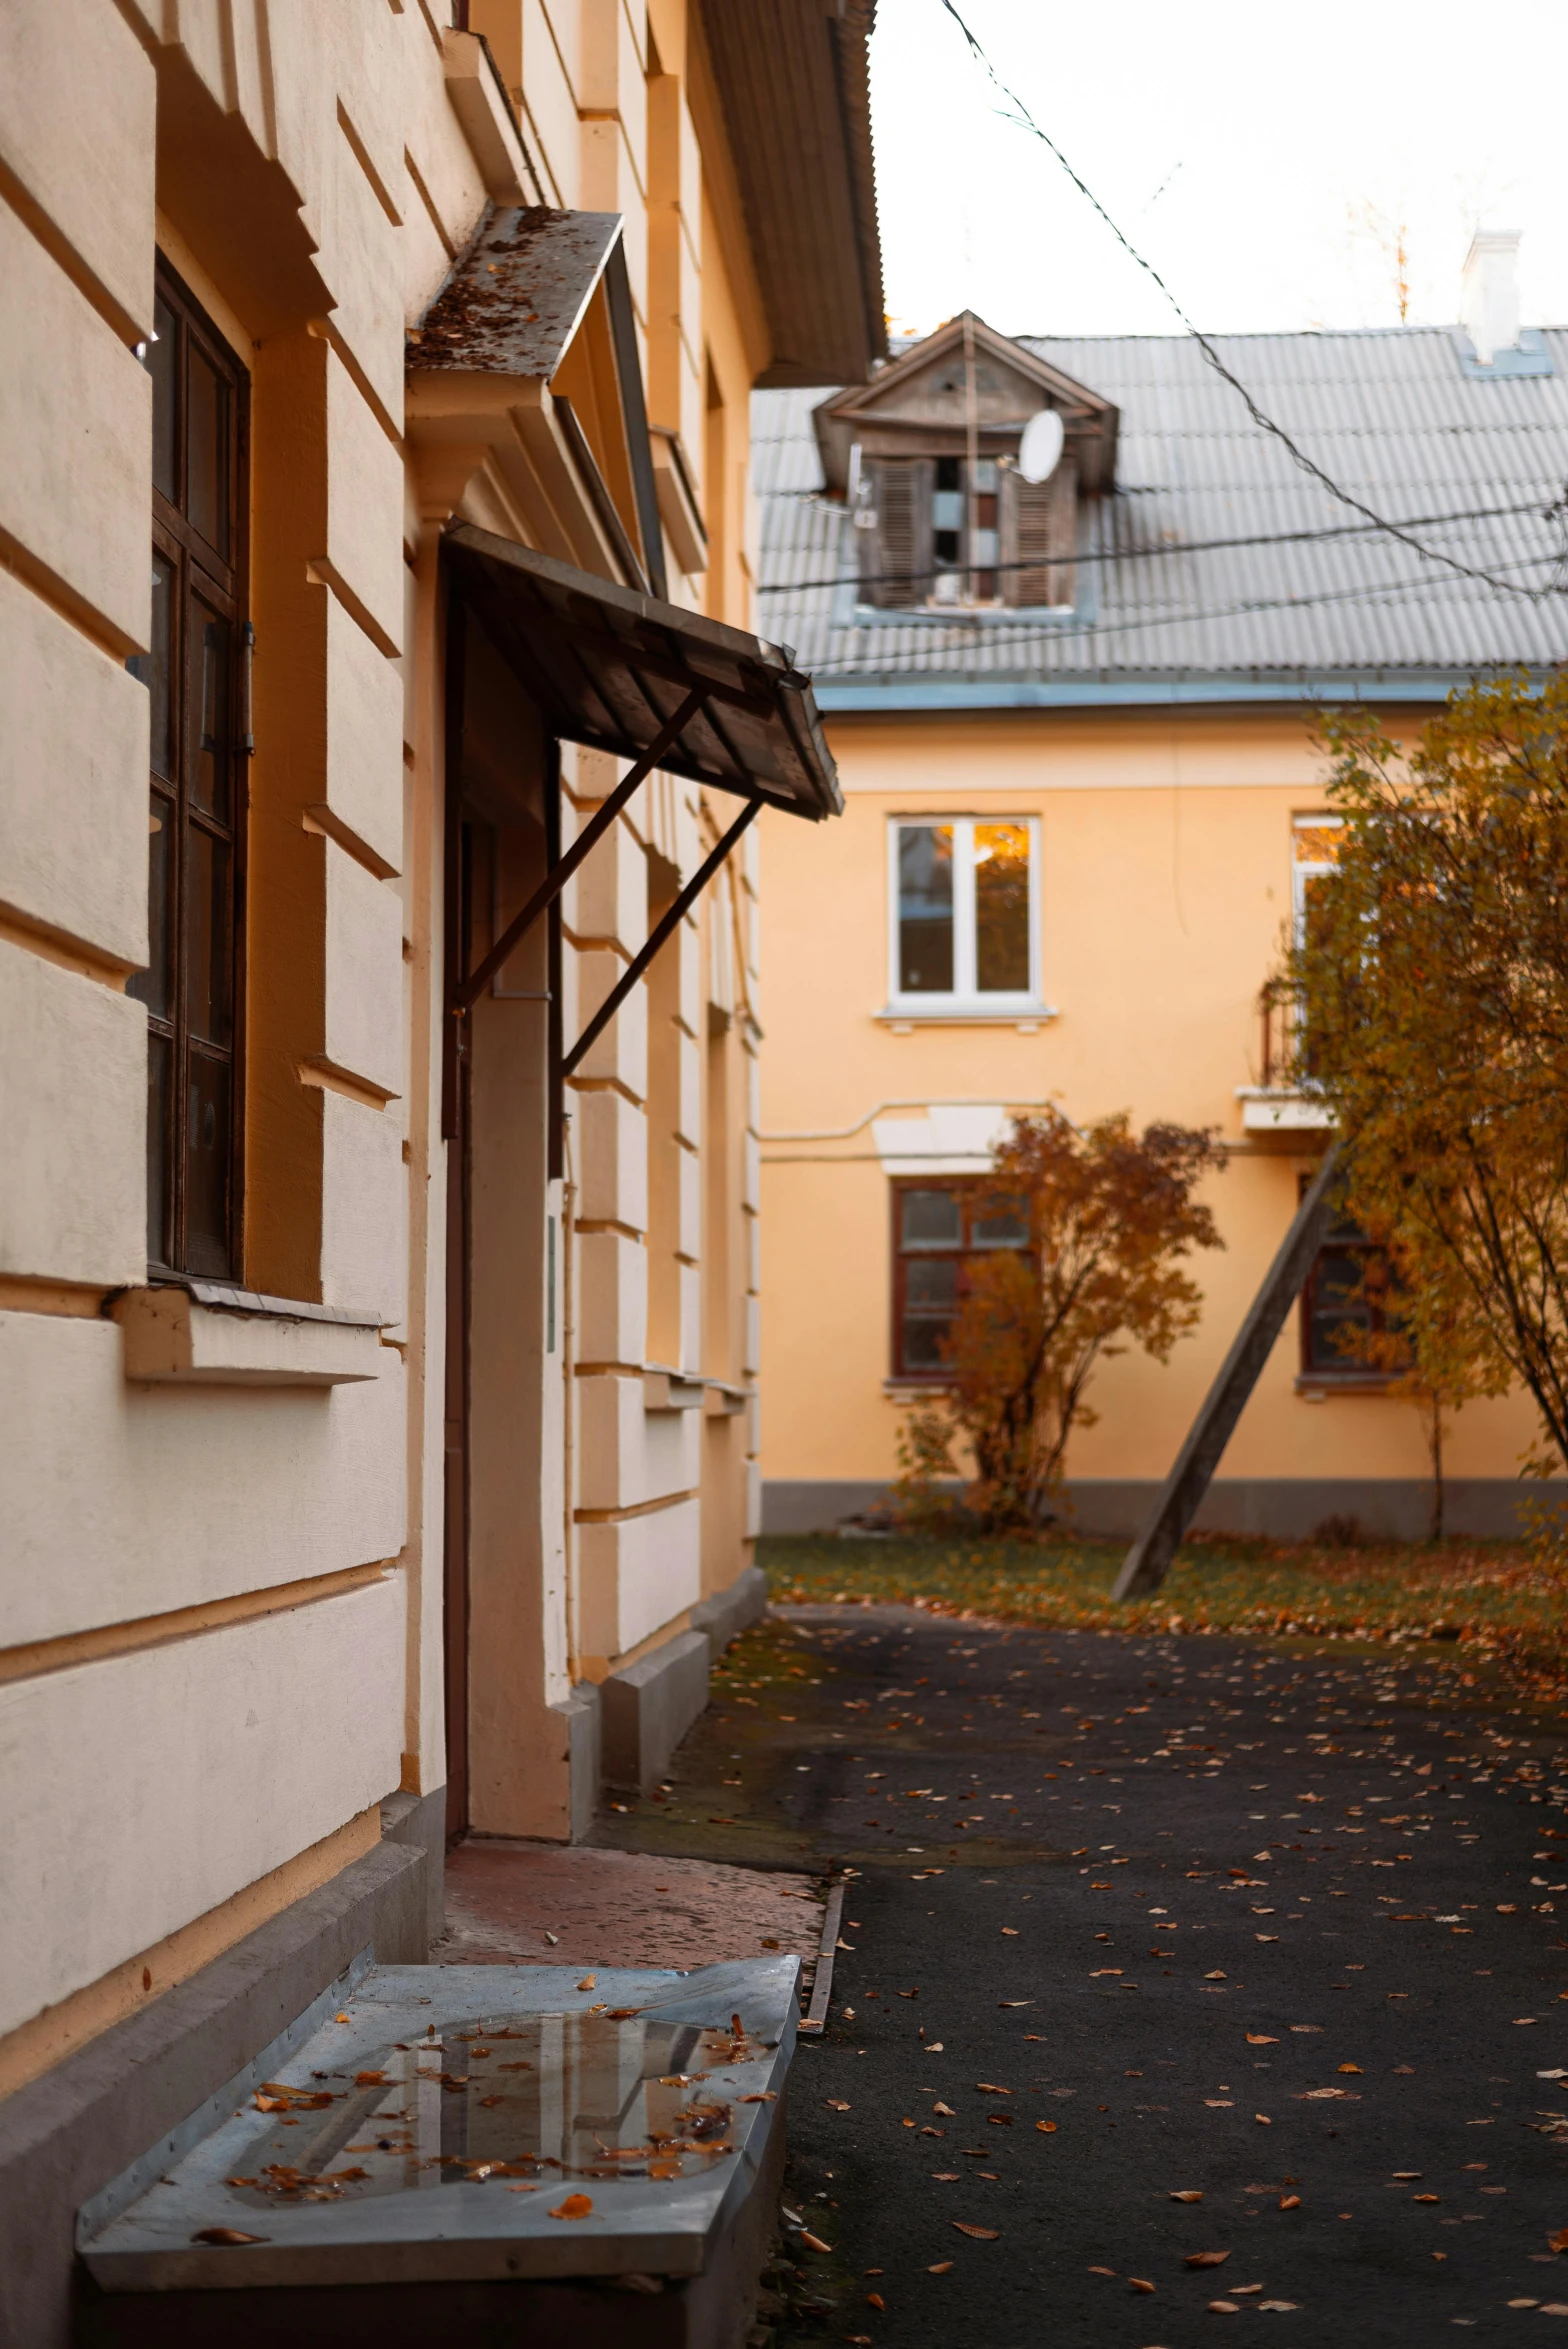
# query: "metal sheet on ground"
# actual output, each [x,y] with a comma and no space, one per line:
[458,2122]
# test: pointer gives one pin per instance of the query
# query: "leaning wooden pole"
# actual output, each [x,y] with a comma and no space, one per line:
[1215,1424]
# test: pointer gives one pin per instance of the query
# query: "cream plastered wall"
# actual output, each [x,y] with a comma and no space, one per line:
[220,1607]
[1165,879]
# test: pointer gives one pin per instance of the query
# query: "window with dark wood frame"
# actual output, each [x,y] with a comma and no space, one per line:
[939,1227]
[1346,1298]
[197,675]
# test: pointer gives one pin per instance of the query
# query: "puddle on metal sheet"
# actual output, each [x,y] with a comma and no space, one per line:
[517,2099]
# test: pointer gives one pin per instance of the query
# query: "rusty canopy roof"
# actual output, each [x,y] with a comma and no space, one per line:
[608,667]
[512,303]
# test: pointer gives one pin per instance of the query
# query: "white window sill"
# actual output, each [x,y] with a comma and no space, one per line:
[1027,1018]
[672,1390]
[664,1389]
[207,1333]
[1280,1109]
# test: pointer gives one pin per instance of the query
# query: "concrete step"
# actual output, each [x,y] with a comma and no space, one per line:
[522,2152]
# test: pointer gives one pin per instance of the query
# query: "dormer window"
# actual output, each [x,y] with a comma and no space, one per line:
[926,458]
[946,531]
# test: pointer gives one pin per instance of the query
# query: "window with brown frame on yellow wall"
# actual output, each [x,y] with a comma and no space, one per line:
[195,673]
[939,1228]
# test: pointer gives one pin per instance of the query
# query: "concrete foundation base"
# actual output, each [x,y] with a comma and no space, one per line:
[63,2138]
[645,1710]
[583,1714]
[730,1612]
[417,1822]
[648,1708]
[1277,1508]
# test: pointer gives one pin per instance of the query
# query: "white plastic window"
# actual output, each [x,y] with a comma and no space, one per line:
[964,892]
[1314,851]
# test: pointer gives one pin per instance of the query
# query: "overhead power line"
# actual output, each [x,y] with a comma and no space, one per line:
[1195,546]
[1026,121]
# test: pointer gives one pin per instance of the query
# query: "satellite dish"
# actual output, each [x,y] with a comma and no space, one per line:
[1040,450]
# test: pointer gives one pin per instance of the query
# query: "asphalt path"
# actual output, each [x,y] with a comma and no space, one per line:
[1160,1950]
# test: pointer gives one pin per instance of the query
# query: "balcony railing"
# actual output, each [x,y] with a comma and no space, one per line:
[1279,1005]
[1285,1101]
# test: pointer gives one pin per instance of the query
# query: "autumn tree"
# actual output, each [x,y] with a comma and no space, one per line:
[1090,1229]
[1420,1334]
[1433,985]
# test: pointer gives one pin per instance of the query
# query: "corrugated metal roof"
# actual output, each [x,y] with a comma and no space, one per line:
[1471,466]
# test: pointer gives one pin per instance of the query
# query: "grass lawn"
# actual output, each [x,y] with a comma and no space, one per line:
[1497,1600]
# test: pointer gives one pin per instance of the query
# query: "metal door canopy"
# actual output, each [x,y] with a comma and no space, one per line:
[608,666]
[442,2123]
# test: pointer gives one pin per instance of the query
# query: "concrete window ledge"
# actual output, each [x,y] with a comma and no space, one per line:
[671,1390]
[208,1334]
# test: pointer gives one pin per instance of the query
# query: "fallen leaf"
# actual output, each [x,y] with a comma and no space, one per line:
[761,2096]
[1102,2271]
[875,2300]
[1216,1976]
[946,2110]
[1188,2194]
[1206,2258]
[835,2104]
[1559,2241]
[1283,2306]
[1046,2128]
[1426,2198]
[228,2235]
[980,2234]
[813,2242]
[1350,2067]
[940,2267]
[1007,2001]
[377,2079]
[1011,1931]
[1263,2120]
[576,2206]
[589,1982]
[1223,2308]
[1554,2308]
[990,2088]
[1140,2284]
[1290,2202]
[1261,2039]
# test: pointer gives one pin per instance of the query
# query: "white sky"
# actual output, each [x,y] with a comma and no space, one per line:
[1240,144]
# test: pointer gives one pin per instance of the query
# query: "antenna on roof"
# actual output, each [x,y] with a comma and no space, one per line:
[1040,450]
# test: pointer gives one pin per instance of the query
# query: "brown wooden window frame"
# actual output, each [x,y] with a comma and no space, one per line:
[971,1192]
[197,674]
[1325,1365]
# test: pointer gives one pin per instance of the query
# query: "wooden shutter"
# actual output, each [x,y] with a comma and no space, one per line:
[895,558]
[1039,520]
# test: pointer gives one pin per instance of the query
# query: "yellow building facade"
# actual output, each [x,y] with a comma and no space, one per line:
[378,1350]
[1075,722]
